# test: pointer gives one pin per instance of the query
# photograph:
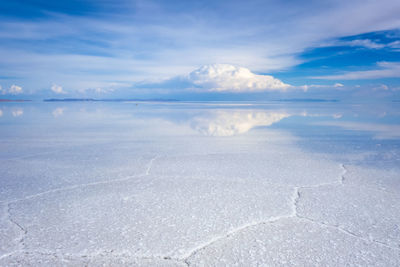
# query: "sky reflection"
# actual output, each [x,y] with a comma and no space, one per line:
[345,132]
[212,119]
[229,123]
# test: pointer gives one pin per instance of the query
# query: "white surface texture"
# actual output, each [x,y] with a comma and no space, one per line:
[114,191]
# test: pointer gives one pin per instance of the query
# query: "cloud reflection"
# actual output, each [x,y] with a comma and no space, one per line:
[17,112]
[58,112]
[229,123]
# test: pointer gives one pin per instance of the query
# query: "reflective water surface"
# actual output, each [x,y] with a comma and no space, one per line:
[170,183]
[316,127]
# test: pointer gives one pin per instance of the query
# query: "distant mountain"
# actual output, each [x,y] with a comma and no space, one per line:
[14,100]
[107,100]
[69,99]
[307,100]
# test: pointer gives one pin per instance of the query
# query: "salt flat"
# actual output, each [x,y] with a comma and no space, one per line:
[197,185]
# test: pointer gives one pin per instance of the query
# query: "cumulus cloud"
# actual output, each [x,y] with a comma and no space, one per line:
[228,123]
[57,89]
[229,78]
[385,70]
[13,90]
[257,41]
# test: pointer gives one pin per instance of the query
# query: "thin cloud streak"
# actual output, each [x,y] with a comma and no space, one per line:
[132,48]
[387,70]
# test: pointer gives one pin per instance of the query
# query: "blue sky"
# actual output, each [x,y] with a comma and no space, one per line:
[200,49]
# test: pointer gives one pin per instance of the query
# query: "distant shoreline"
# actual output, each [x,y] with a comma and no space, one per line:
[173,100]
[14,100]
[106,100]
[314,100]
[307,100]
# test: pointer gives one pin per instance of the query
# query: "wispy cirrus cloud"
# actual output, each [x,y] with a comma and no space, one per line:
[383,70]
[384,87]
[366,43]
[121,43]
[320,86]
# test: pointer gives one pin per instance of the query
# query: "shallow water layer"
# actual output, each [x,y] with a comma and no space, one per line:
[199,183]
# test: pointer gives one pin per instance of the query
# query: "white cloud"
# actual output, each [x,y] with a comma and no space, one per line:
[229,78]
[366,43]
[228,123]
[171,42]
[384,87]
[394,45]
[58,112]
[17,112]
[1,113]
[101,90]
[308,86]
[337,116]
[57,89]
[338,85]
[386,70]
[15,89]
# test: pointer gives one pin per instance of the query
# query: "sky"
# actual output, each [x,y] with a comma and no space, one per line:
[200,50]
